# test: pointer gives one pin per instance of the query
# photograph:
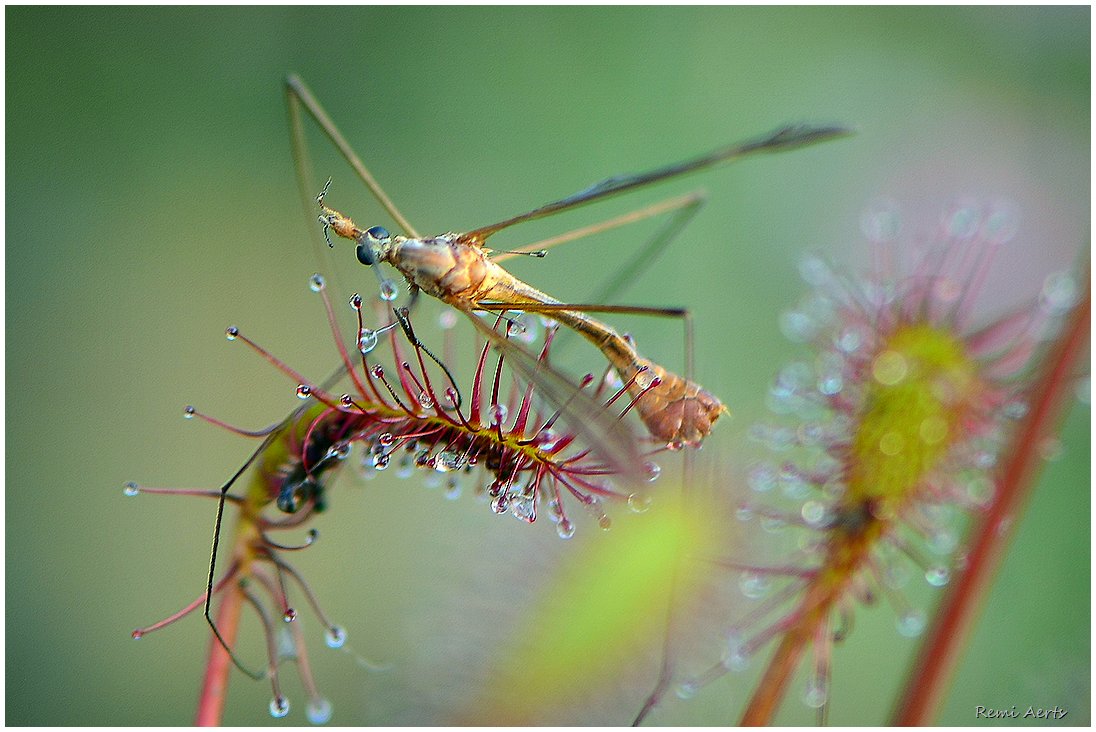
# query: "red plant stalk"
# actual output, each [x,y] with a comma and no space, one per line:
[211,701]
[935,664]
[214,692]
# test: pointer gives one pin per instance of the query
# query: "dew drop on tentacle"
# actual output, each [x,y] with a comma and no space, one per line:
[386,440]
[524,508]
[687,689]
[653,470]
[334,637]
[232,333]
[289,615]
[639,503]
[754,585]
[367,340]
[881,221]
[426,400]
[447,461]
[380,462]
[565,529]
[355,301]
[388,290]
[937,576]
[1060,292]
[447,320]
[318,710]
[816,693]
[304,391]
[279,707]
[131,489]
[911,623]
[316,283]
[735,657]
[188,412]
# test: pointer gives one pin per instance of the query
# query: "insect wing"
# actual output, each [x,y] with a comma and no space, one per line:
[599,427]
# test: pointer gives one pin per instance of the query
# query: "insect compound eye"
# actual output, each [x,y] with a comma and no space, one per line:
[378,232]
[365,254]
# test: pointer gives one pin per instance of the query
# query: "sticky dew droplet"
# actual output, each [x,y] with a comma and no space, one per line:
[318,710]
[754,585]
[279,707]
[937,576]
[316,283]
[131,489]
[367,340]
[910,623]
[189,412]
[447,320]
[815,693]
[1060,292]
[334,637]
[565,529]
[687,689]
[639,503]
[388,290]
[232,333]
[304,391]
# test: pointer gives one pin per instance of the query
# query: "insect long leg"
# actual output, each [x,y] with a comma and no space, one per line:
[690,202]
[216,543]
[297,93]
[783,139]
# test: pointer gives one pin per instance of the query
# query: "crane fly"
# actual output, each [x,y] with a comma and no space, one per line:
[458,269]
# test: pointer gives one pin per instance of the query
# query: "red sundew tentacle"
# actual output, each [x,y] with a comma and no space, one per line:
[288,520]
[310,596]
[273,546]
[367,371]
[592,487]
[271,643]
[428,388]
[308,441]
[627,385]
[398,358]
[192,412]
[788,571]
[522,419]
[475,415]
[200,492]
[655,382]
[235,334]
[377,372]
[495,385]
[333,324]
[190,607]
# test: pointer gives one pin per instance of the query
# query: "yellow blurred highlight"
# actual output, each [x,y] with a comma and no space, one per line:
[925,384]
[604,613]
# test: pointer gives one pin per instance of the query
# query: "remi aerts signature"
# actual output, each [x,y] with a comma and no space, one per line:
[1014,712]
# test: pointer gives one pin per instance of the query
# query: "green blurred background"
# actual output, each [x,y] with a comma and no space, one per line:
[151,202]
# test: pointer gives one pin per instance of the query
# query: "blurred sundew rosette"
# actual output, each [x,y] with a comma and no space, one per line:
[885,438]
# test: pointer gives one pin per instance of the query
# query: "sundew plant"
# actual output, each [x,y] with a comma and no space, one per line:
[902,447]
[900,451]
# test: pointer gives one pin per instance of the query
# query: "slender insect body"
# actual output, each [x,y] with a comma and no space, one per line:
[456,269]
